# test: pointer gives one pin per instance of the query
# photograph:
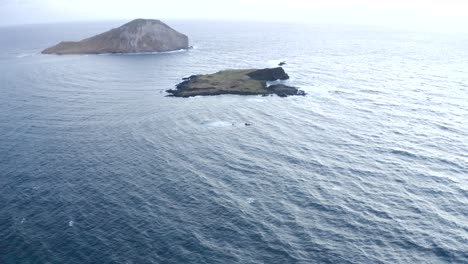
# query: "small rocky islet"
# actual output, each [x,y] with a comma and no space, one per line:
[240,82]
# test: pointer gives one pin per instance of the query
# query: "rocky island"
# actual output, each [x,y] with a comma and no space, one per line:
[139,35]
[242,82]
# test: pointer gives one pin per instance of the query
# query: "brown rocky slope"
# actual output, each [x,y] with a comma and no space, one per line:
[139,35]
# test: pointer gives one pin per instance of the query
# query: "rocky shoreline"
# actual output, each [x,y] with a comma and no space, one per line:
[240,82]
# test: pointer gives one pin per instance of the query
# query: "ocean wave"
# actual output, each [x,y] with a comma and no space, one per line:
[218,124]
[24,55]
[148,53]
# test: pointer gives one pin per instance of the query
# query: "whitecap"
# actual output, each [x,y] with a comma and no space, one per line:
[336,188]
[269,83]
[23,55]
[256,100]
[217,124]
[196,97]
[70,223]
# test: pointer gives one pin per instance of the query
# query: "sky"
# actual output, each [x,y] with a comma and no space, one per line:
[427,15]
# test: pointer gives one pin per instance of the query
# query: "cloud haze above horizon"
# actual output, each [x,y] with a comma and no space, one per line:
[428,15]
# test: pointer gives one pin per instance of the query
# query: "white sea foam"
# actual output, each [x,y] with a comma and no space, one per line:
[144,53]
[218,124]
[70,223]
[274,82]
[196,97]
[336,188]
[256,100]
[23,55]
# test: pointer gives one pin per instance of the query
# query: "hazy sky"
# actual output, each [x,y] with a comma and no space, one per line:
[439,15]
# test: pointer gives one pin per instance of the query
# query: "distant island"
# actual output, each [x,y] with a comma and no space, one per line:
[242,82]
[139,35]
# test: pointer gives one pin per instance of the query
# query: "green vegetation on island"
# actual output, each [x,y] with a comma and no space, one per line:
[242,82]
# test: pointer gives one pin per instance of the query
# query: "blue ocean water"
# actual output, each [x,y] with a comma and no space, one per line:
[98,166]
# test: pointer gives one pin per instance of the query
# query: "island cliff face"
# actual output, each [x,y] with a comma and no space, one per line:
[140,35]
[241,82]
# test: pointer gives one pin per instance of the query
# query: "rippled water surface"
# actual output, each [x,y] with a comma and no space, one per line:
[98,166]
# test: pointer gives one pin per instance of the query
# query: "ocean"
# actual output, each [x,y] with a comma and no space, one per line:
[97,165]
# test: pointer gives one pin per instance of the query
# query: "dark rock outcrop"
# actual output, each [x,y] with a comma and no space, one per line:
[140,35]
[284,90]
[241,82]
[269,74]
